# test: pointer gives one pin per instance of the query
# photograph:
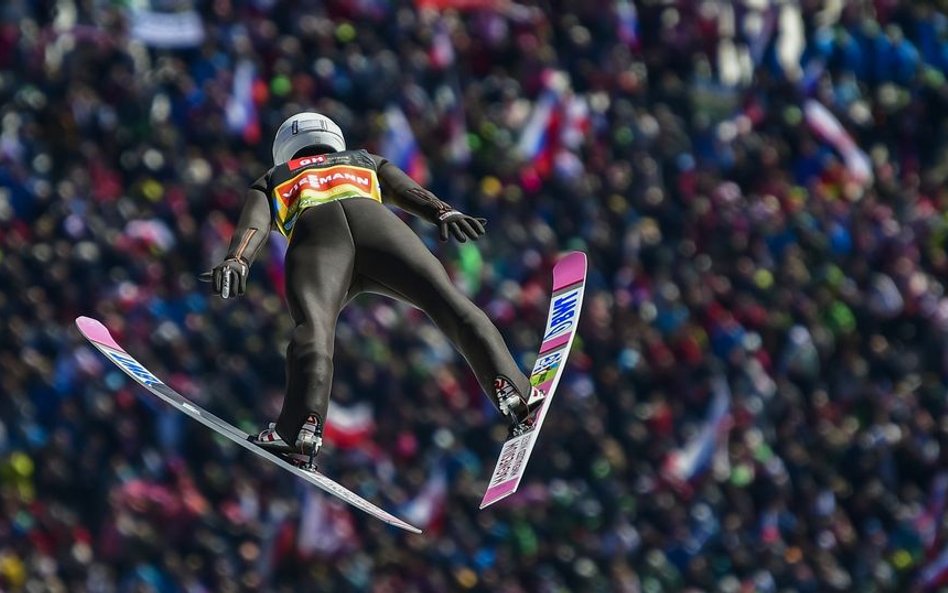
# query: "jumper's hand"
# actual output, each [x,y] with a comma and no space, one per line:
[229,278]
[461,226]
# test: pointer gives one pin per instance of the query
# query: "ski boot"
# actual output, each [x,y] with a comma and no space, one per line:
[519,410]
[303,452]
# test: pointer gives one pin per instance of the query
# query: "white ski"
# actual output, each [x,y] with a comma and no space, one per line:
[100,337]
[569,280]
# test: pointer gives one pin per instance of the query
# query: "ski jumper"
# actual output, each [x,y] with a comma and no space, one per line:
[342,242]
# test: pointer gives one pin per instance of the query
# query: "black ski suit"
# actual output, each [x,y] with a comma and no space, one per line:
[345,243]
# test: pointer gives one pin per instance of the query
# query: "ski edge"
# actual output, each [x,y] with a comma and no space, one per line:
[100,337]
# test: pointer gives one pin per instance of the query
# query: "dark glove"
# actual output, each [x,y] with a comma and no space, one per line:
[229,278]
[462,226]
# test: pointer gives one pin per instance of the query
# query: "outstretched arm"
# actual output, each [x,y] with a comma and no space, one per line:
[230,277]
[253,226]
[402,191]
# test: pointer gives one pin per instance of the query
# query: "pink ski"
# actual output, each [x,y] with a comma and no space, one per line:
[569,280]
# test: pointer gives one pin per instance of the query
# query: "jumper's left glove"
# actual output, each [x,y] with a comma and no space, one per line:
[462,226]
[229,278]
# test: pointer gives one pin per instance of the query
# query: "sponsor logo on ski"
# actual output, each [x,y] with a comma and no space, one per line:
[131,366]
[510,459]
[548,362]
[564,314]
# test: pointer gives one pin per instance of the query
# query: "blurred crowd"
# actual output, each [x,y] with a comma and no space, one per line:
[755,401]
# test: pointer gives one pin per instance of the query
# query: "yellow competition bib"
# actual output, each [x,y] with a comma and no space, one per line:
[311,187]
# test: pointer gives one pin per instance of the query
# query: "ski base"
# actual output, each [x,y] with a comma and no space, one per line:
[569,281]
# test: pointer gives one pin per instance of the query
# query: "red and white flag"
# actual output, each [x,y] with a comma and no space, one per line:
[349,426]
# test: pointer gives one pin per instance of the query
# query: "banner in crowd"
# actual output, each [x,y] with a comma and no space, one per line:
[242,117]
[822,121]
[326,526]
[691,461]
[168,30]
[426,510]
[556,129]
[627,23]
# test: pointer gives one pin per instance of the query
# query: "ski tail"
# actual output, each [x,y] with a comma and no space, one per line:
[569,282]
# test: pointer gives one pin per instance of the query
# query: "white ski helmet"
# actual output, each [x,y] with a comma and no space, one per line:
[306,129]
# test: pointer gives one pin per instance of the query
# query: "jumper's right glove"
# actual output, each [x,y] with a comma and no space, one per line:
[462,226]
[229,278]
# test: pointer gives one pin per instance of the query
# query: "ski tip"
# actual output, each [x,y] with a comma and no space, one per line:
[88,324]
[396,522]
[572,259]
[93,330]
[571,268]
